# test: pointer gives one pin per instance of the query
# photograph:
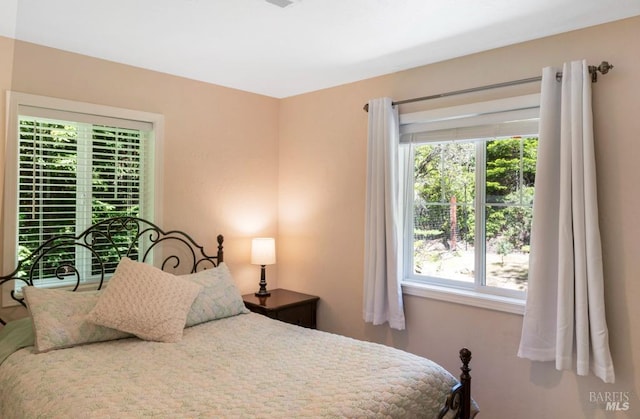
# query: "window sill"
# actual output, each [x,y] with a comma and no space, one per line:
[88,285]
[463,296]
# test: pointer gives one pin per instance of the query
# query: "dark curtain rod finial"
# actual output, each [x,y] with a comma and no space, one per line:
[603,68]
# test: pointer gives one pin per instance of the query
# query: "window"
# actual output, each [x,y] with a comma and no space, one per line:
[69,166]
[468,215]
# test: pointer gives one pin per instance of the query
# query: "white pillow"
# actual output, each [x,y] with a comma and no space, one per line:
[145,301]
[219,297]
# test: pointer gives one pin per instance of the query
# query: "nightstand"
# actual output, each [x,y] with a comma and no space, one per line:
[284,305]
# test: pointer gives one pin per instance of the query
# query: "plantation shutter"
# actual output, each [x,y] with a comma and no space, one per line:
[77,169]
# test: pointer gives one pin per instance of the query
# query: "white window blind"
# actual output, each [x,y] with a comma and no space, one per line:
[494,119]
[70,165]
[73,174]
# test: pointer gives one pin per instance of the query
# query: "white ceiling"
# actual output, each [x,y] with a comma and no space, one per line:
[259,47]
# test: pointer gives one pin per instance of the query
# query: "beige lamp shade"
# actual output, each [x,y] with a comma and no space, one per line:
[263,251]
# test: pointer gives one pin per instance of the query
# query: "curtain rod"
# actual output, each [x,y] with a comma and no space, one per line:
[603,68]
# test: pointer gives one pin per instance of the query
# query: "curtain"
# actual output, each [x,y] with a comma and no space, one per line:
[565,299]
[383,218]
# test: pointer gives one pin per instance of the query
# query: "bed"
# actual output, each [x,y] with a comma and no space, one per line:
[145,347]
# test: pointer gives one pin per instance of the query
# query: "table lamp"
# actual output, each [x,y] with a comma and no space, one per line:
[263,252]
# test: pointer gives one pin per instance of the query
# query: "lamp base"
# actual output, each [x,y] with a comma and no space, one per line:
[262,292]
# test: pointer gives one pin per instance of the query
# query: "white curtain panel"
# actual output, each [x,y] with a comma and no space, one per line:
[383,225]
[565,299]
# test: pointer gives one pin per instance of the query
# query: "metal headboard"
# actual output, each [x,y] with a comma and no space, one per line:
[94,254]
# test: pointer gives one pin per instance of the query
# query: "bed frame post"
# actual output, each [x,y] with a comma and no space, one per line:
[465,380]
[459,399]
[220,253]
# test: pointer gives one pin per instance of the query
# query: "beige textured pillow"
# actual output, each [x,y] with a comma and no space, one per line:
[145,301]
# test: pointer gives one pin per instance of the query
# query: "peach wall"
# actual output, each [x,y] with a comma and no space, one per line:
[220,144]
[322,172]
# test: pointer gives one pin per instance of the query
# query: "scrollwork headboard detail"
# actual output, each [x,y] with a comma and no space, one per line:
[91,256]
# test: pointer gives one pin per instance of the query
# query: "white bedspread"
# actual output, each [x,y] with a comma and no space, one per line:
[247,366]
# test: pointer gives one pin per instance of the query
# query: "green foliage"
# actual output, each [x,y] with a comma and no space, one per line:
[51,175]
[511,165]
[446,170]
[504,248]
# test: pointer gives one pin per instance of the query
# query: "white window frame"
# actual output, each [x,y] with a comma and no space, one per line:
[62,109]
[485,120]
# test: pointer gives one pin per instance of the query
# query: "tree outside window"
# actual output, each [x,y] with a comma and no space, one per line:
[472,210]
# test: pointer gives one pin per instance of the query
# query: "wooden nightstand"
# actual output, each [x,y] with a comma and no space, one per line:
[284,305]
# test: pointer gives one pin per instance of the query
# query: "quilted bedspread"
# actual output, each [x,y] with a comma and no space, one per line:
[246,366]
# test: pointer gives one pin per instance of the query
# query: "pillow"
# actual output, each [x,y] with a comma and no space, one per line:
[59,318]
[219,297]
[143,300]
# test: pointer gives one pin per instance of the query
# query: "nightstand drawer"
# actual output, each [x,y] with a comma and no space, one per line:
[301,315]
[286,306]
